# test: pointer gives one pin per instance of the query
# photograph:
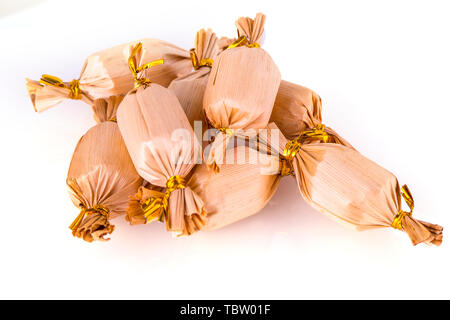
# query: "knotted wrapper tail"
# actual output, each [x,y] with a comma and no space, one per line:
[418,231]
[92,224]
[251,29]
[179,207]
[50,91]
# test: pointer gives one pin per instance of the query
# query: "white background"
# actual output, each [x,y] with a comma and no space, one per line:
[382,69]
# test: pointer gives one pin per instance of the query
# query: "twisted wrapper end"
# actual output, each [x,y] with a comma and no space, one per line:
[294,145]
[150,205]
[243,41]
[139,206]
[250,31]
[73,86]
[139,79]
[196,63]
[92,224]
[418,231]
[285,168]
[50,91]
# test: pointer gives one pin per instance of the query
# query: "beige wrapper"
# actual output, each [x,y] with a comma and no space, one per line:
[297,109]
[238,191]
[342,183]
[102,174]
[190,87]
[106,73]
[162,145]
[241,89]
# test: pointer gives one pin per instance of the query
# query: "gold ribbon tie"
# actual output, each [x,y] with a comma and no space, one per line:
[294,145]
[291,148]
[407,196]
[205,62]
[285,168]
[158,208]
[140,80]
[73,86]
[227,131]
[243,41]
[318,132]
[97,209]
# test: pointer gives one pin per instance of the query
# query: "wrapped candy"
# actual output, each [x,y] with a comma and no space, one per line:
[190,87]
[342,183]
[241,89]
[163,148]
[297,109]
[101,175]
[106,73]
[249,185]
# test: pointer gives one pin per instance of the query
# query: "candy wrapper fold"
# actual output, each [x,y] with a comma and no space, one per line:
[164,150]
[101,176]
[241,88]
[342,183]
[106,73]
[190,87]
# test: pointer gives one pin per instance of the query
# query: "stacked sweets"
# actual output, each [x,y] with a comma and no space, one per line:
[200,139]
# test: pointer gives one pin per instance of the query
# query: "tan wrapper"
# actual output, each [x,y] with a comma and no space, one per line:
[297,109]
[238,191]
[190,88]
[106,73]
[342,183]
[101,173]
[241,89]
[150,120]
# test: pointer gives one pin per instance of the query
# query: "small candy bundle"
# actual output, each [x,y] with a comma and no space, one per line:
[340,182]
[101,176]
[106,73]
[190,87]
[242,88]
[161,143]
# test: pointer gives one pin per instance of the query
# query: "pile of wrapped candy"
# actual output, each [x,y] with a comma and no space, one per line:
[199,139]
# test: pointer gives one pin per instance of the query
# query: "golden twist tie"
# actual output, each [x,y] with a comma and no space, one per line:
[156,208]
[285,168]
[407,196]
[97,209]
[140,80]
[206,62]
[227,131]
[73,86]
[243,41]
[294,145]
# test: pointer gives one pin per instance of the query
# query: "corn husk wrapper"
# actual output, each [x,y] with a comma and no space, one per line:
[101,175]
[190,87]
[238,191]
[345,185]
[106,73]
[149,120]
[241,89]
[297,109]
